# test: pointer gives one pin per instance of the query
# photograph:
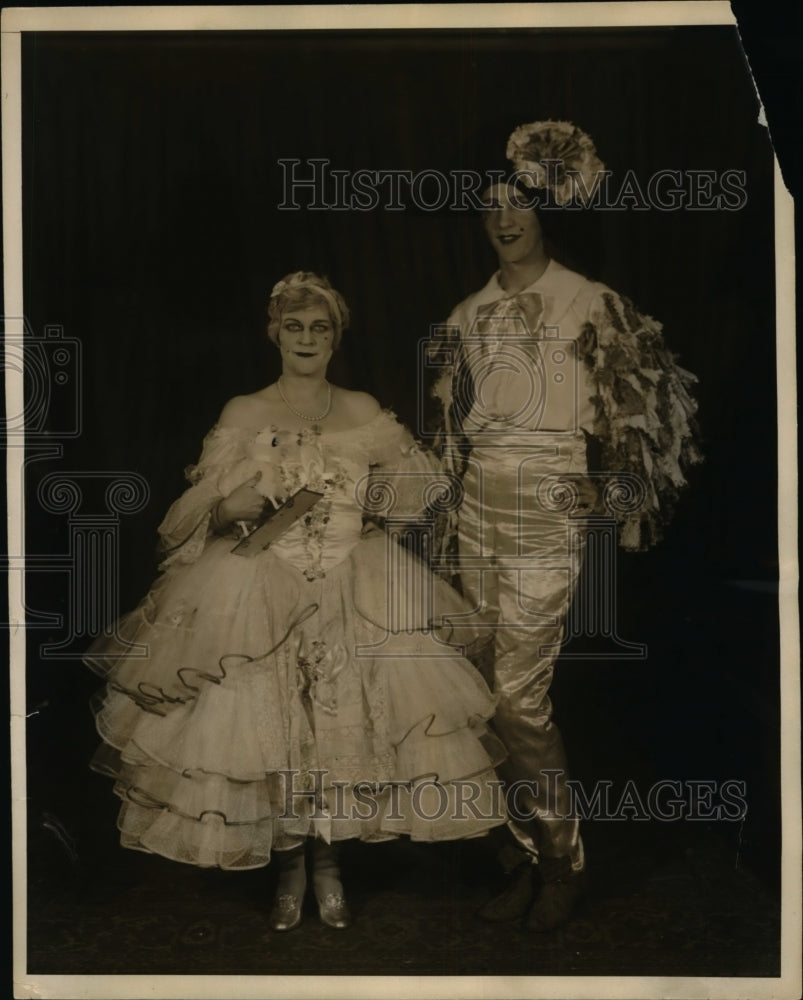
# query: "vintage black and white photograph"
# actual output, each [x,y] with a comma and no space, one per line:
[402,566]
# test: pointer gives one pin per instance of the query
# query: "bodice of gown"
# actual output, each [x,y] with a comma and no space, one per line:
[326,534]
[334,463]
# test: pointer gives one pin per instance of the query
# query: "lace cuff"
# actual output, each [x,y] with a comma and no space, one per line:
[187,524]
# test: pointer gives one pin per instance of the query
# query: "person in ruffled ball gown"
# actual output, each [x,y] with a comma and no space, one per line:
[240,719]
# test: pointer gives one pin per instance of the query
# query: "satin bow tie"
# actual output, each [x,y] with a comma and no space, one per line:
[528,305]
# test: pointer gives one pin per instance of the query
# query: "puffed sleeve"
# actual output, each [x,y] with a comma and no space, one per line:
[184,531]
[644,415]
[405,478]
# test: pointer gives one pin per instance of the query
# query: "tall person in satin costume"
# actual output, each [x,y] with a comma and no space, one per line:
[516,427]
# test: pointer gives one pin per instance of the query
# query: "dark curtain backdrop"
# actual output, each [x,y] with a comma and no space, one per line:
[152,235]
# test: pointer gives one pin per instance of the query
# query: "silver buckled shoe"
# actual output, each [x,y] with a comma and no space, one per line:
[285,915]
[334,910]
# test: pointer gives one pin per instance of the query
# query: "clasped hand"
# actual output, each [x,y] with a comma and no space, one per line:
[245,503]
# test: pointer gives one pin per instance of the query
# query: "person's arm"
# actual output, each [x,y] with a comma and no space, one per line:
[199,510]
[244,503]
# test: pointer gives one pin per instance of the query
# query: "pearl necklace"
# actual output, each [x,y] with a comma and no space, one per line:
[304,416]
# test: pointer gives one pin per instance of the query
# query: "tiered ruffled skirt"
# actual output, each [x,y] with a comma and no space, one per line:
[247,708]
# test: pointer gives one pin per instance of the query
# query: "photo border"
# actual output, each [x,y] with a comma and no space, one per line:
[16,21]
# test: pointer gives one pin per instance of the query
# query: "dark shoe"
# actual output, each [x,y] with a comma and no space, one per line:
[561,887]
[515,900]
[334,911]
[286,912]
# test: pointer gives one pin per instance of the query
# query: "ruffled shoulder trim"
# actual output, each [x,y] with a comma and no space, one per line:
[380,432]
[386,422]
[228,431]
[222,446]
[388,439]
[645,413]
